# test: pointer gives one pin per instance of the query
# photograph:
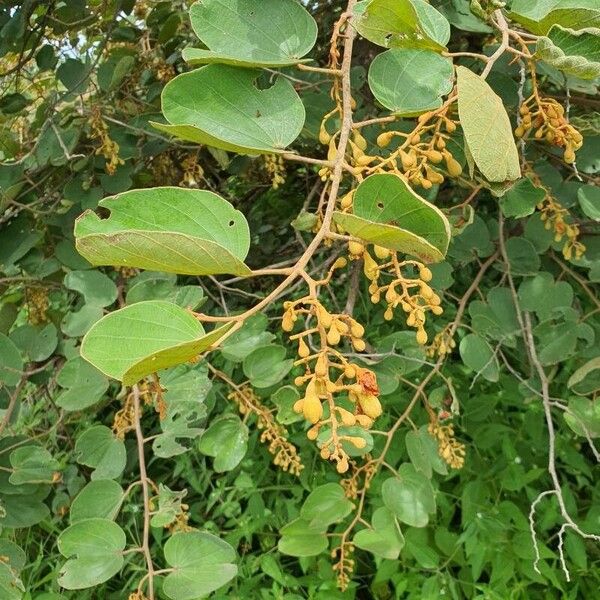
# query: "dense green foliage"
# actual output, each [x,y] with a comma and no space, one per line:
[299,299]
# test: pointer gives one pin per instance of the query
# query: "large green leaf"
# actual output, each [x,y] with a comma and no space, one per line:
[384,539]
[222,106]
[325,505]
[539,16]
[227,441]
[100,498]
[253,33]
[300,538]
[387,212]
[410,82]
[99,448]
[192,232]
[409,496]
[146,337]
[486,127]
[402,24]
[573,52]
[94,548]
[32,464]
[201,564]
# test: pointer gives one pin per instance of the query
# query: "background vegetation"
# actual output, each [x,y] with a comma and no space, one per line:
[478,480]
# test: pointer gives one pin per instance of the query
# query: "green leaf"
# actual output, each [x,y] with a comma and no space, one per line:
[267,366]
[486,128]
[583,417]
[478,355]
[422,450]
[589,201]
[325,505]
[113,70]
[409,496]
[255,33]
[496,318]
[202,563]
[11,586]
[521,198]
[249,337]
[522,255]
[542,295]
[586,380]
[227,441]
[222,106]
[23,511]
[387,212]
[402,24]
[410,82]
[169,506]
[94,549]
[191,232]
[285,398]
[97,288]
[11,363]
[538,17]
[384,539]
[299,538]
[32,464]
[99,448]
[84,384]
[576,53]
[146,337]
[76,324]
[38,342]
[100,498]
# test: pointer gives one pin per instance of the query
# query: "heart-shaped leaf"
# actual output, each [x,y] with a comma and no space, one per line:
[387,212]
[325,505]
[94,548]
[222,106]
[253,33]
[201,564]
[99,448]
[84,384]
[227,441]
[192,232]
[410,82]
[300,538]
[486,127]
[146,337]
[402,24]
[32,464]
[384,539]
[98,499]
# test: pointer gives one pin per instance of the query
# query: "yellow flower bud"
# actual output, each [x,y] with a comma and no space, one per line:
[303,349]
[421,337]
[425,274]
[287,323]
[380,252]
[333,337]
[357,330]
[384,139]
[324,136]
[370,405]
[350,372]
[359,140]
[358,344]
[356,248]
[321,366]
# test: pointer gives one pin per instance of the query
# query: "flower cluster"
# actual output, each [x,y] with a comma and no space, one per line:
[553,214]
[37,304]
[449,448]
[275,168]
[108,147]
[547,117]
[412,294]
[285,454]
[442,343]
[330,377]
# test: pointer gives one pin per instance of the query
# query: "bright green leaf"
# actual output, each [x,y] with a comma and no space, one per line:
[384,539]
[267,366]
[94,549]
[222,106]
[255,33]
[227,441]
[522,198]
[325,505]
[143,338]
[193,232]
[410,82]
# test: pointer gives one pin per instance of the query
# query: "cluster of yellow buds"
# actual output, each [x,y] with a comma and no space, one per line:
[547,117]
[37,304]
[449,448]
[442,344]
[275,168]
[328,373]
[193,173]
[180,523]
[424,151]
[352,485]
[285,454]
[108,147]
[553,214]
[413,295]
[344,566]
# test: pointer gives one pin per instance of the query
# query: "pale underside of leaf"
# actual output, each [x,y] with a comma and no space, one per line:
[197,57]
[487,128]
[388,236]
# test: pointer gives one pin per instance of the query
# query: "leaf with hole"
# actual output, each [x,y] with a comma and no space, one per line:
[94,549]
[486,126]
[201,564]
[177,230]
[402,24]
[143,338]
[221,106]
[387,212]
[410,82]
[253,33]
